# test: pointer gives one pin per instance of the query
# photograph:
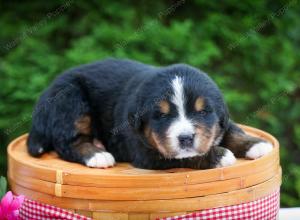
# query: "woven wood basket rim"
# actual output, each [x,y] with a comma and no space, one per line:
[157,206]
[79,175]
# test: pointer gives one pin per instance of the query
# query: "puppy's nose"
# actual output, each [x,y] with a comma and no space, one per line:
[186,140]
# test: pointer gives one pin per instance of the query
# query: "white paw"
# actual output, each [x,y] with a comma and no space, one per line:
[258,150]
[101,160]
[227,160]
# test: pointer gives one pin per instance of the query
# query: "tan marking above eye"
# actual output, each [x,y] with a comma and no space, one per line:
[199,104]
[164,107]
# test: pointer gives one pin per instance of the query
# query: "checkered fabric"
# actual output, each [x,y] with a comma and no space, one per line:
[262,209]
[32,210]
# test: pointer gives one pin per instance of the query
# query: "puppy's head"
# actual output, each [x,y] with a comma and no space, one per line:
[180,112]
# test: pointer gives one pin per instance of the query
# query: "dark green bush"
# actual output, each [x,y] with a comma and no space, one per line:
[251,49]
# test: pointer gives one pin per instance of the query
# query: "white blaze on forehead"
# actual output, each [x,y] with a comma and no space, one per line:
[178,97]
[181,125]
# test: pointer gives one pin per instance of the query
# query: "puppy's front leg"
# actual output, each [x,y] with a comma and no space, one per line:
[215,158]
[244,145]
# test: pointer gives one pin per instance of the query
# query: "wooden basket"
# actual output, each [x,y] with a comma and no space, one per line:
[125,192]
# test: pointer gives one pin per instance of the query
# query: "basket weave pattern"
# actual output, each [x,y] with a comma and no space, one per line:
[125,192]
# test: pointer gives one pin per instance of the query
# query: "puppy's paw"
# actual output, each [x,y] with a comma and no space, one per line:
[227,159]
[101,160]
[259,149]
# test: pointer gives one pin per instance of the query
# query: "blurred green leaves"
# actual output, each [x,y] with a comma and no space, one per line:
[3,186]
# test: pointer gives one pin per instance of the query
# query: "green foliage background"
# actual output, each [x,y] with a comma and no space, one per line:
[251,49]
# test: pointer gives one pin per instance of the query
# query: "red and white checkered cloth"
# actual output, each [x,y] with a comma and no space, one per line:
[262,209]
[32,210]
[266,208]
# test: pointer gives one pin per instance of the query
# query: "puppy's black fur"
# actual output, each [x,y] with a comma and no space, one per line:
[117,102]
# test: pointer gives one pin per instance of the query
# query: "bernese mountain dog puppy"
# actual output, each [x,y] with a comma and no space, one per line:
[152,117]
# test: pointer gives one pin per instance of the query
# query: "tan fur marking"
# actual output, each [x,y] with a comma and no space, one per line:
[156,143]
[98,144]
[159,146]
[199,104]
[83,125]
[164,107]
[85,146]
[148,135]
[86,149]
[207,137]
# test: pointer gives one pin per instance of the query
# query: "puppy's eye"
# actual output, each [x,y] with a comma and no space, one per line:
[163,115]
[202,112]
[159,115]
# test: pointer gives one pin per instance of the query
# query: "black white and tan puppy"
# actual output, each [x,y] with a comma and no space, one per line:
[153,117]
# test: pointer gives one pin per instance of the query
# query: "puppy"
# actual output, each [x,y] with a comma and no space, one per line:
[152,117]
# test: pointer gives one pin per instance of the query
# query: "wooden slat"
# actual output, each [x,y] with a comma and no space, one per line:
[27,169]
[145,193]
[85,213]
[138,216]
[110,216]
[157,206]
[155,216]
[126,176]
